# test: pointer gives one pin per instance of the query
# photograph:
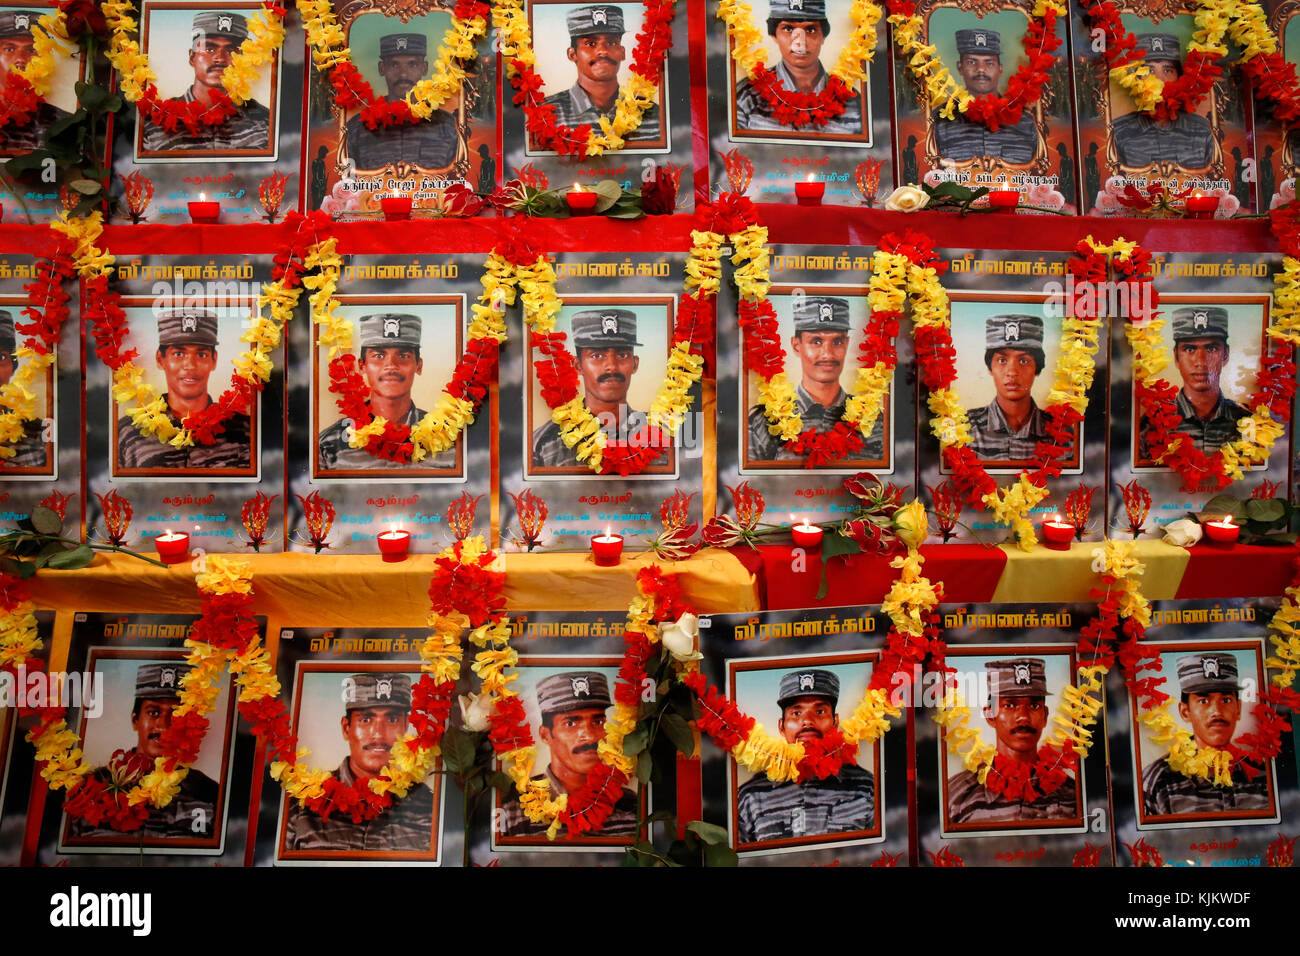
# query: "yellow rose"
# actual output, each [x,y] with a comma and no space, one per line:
[907,199]
[912,524]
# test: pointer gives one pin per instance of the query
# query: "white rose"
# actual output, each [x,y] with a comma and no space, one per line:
[1184,532]
[474,711]
[679,638]
[907,199]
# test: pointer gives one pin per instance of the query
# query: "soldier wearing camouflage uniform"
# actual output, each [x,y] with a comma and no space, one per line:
[191,814]
[187,354]
[596,49]
[430,144]
[846,802]
[1141,141]
[217,36]
[800,43]
[390,360]
[1211,705]
[29,451]
[17,49]
[375,716]
[1017,712]
[959,140]
[1008,428]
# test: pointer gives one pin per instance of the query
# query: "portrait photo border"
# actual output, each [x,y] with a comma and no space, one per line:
[50,472]
[45,6]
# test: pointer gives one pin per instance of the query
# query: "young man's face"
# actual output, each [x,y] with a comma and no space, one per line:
[16,52]
[1013,372]
[155,716]
[607,373]
[6,366]
[1166,70]
[1213,717]
[1017,723]
[807,718]
[187,368]
[370,734]
[573,738]
[1200,362]
[390,372]
[597,57]
[401,72]
[821,354]
[210,57]
[800,42]
[980,72]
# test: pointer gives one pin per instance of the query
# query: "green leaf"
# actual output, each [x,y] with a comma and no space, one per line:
[96,99]
[66,122]
[46,521]
[720,856]
[1221,505]
[679,732]
[87,187]
[645,767]
[458,750]
[609,192]
[22,569]
[659,816]
[501,781]
[636,741]
[710,833]
[48,551]
[78,557]
[1267,510]
[949,190]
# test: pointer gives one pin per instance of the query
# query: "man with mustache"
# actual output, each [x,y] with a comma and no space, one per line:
[217,36]
[800,28]
[187,355]
[390,360]
[959,140]
[1211,706]
[604,340]
[821,341]
[596,50]
[17,49]
[846,802]
[29,450]
[1008,428]
[573,706]
[1017,712]
[191,814]
[376,707]
[1201,352]
[1141,141]
[430,144]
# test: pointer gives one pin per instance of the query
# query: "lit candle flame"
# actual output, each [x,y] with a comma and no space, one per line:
[203,197]
[1197,194]
[810,177]
[1227,520]
[577,187]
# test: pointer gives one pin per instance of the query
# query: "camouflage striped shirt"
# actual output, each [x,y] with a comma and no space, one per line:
[334,452]
[429,145]
[969,801]
[843,803]
[250,128]
[1165,791]
[406,826]
[191,814]
[1140,141]
[574,107]
[621,821]
[233,448]
[960,140]
[993,439]
[1208,434]
[764,446]
[31,136]
[29,451]
[754,113]
[549,450]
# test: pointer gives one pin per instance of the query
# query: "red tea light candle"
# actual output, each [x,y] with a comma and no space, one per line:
[1004,199]
[1222,532]
[581,201]
[1057,532]
[607,549]
[395,207]
[205,211]
[1201,206]
[809,193]
[395,544]
[173,547]
[806,535]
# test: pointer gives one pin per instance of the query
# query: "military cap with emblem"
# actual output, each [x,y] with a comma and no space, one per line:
[595,21]
[16,23]
[8,339]
[604,328]
[160,681]
[809,683]
[1159,46]
[1200,322]
[214,23]
[403,44]
[1013,331]
[979,43]
[1016,677]
[377,690]
[387,329]
[1207,673]
[797,10]
[573,690]
[187,327]
[821,313]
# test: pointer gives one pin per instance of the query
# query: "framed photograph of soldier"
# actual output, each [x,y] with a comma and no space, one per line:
[189,47]
[17,757]
[1206,148]
[36,452]
[17,50]
[407,348]
[583,53]
[1277,148]
[983,48]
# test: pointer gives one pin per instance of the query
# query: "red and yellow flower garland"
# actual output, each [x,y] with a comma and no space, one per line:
[25,88]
